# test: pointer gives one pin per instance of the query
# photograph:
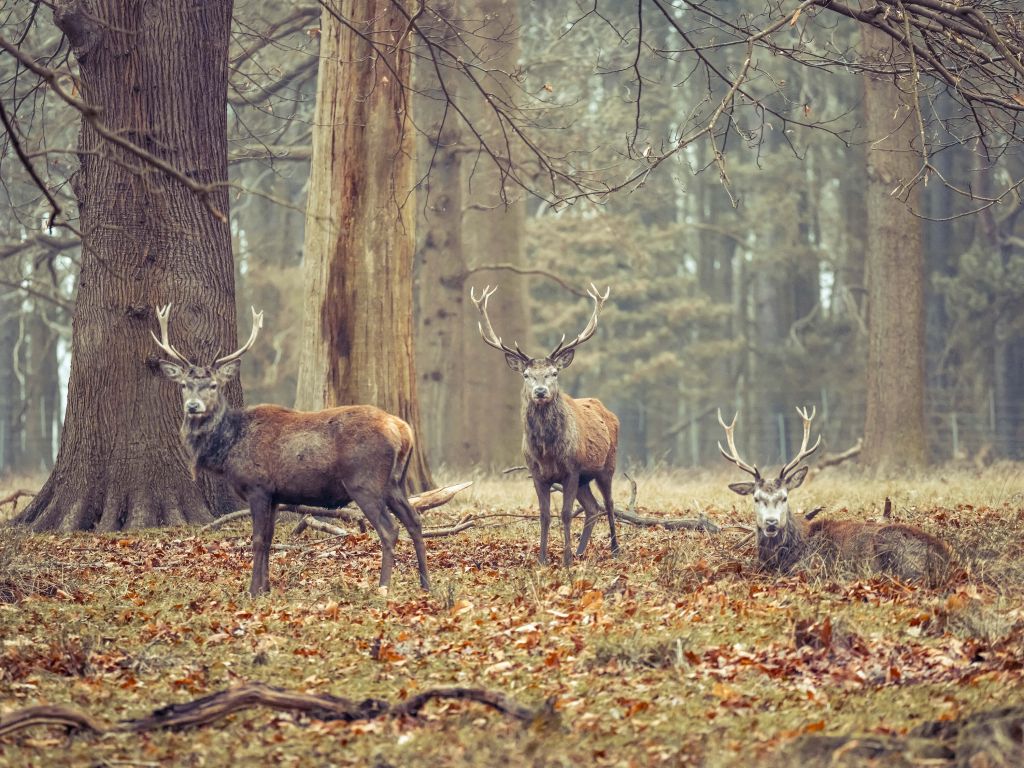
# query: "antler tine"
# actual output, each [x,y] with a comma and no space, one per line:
[734,456]
[257,323]
[804,450]
[599,300]
[484,324]
[164,342]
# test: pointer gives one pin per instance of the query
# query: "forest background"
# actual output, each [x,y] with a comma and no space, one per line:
[716,164]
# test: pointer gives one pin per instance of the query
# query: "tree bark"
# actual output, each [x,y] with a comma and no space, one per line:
[359,243]
[441,321]
[894,433]
[11,401]
[41,381]
[158,74]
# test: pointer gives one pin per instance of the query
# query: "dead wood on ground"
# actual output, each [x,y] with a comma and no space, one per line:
[216,706]
[420,502]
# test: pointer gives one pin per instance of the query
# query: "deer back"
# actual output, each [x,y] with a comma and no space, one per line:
[598,430]
[905,551]
[312,457]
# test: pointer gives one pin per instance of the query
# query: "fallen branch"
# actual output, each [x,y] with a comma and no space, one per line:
[13,498]
[630,516]
[420,502]
[699,523]
[832,459]
[469,521]
[216,706]
[308,521]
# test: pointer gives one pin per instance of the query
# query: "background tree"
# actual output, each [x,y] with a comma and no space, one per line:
[357,337]
[894,434]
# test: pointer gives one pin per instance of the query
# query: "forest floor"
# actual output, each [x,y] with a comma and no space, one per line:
[677,652]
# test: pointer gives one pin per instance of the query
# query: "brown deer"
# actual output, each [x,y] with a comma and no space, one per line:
[272,455]
[565,440]
[782,539]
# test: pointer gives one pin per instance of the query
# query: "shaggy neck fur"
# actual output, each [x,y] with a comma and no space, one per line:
[551,435]
[781,551]
[210,440]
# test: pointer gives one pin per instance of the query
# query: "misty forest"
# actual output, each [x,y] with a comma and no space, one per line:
[505,382]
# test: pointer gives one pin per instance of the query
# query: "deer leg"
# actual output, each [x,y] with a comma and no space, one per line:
[604,484]
[410,518]
[544,499]
[262,537]
[586,497]
[376,512]
[570,486]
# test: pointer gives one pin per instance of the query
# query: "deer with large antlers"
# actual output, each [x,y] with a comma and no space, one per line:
[565,440]
[272,455]
[782,539]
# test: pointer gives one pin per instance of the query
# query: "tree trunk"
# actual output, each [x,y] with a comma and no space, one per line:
[441,321]
[357,337]
[158,74]
[493,233]
[41,381]
[894,433]
[10,388]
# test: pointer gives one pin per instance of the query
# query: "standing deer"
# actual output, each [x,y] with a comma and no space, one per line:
[272,455]
[565,440]
[902,550]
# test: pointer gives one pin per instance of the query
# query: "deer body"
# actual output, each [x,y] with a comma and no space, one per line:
[571,442]
[907,552]
[272,455]
[565,440]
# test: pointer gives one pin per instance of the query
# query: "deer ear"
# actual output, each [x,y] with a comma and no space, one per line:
[743,489]
[564,359]
[172,371]
[227,371]
[796,479]
[515,362]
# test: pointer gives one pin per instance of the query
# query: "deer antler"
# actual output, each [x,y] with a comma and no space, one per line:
[164,342]
[257,323]
[487,330]
[734,455]
[587,332]
[804,451]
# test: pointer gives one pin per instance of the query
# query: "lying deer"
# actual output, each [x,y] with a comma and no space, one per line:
[272,455]
[782,539]
[565,440]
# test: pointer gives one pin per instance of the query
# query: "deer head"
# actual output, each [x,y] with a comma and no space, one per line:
[540,374]
[771,495]
[200,384]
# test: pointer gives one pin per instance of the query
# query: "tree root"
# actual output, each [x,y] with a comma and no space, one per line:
[211,708]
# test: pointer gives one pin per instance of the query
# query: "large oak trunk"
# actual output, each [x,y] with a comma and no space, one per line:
[157,71]
[894,434]
[357,335]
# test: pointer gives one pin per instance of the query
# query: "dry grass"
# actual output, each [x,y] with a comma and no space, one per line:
[677,652]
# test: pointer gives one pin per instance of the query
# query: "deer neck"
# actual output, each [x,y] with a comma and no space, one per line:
[209,441]
[550,431]
[780,552]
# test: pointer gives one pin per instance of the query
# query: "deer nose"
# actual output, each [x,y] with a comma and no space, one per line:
[540,392]
[194,406]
